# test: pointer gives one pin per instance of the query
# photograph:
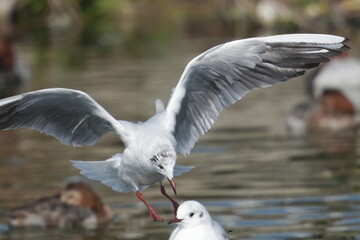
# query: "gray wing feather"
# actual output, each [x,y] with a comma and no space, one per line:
[224,74]
[69,115]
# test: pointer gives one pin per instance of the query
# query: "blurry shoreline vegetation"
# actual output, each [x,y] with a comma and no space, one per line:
[140,27]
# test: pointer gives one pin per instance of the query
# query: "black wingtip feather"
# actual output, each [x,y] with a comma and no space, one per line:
[300,73]
[345,48]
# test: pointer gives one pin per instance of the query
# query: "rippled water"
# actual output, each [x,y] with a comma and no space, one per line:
[253,179]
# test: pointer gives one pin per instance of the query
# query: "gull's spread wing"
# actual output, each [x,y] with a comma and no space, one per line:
[224,74]
[71,116]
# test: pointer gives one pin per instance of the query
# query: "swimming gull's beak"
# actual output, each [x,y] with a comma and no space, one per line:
[172,183]
[174,220]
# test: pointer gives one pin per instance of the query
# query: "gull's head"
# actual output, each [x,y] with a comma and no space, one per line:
[191,213]
[163,161]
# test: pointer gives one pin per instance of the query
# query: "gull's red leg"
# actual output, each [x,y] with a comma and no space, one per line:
[175,204]
[154,216]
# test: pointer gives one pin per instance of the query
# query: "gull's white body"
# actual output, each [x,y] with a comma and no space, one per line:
[208,231]
[131,170]
[211,81]
[196,227]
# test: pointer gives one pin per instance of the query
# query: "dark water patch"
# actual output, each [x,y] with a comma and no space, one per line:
[283,235]
[326,215]
[226,172]
[287,201]
[240,130]
[4,228]
[348,221]
[282,211]
[258,223]
[321,157]
[351,228]
[16,161]
[210,149]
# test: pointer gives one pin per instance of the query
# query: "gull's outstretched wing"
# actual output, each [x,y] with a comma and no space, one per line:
[71,116]
[224,74]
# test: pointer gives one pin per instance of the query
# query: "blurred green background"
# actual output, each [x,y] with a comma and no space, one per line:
[143,27]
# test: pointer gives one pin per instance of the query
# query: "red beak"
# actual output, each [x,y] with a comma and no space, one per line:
[174,220]
[173,186]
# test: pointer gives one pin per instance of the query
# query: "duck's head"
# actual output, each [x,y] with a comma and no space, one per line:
[80,194]
[333,101]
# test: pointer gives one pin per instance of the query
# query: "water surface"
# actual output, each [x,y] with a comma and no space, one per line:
[253,179]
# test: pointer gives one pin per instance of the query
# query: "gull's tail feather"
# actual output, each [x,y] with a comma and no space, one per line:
[178,170]
[104,171]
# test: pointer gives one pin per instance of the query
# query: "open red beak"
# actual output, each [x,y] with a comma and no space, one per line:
[174,220]
[173,186]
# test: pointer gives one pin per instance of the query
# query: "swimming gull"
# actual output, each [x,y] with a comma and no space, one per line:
[194,222]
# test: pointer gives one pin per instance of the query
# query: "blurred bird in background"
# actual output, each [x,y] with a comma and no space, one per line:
[77,205]
[331,116]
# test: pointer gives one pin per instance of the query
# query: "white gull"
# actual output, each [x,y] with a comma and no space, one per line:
[211,81]
[195,223]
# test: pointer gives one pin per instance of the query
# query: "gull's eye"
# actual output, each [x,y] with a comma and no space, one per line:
[163,154]
[161,167]
[191,214]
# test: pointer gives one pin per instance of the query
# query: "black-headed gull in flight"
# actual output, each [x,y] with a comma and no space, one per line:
[195,223]
[213,80]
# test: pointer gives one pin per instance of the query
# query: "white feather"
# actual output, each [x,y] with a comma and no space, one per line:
[196,223]
[104,171]
[304,37]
